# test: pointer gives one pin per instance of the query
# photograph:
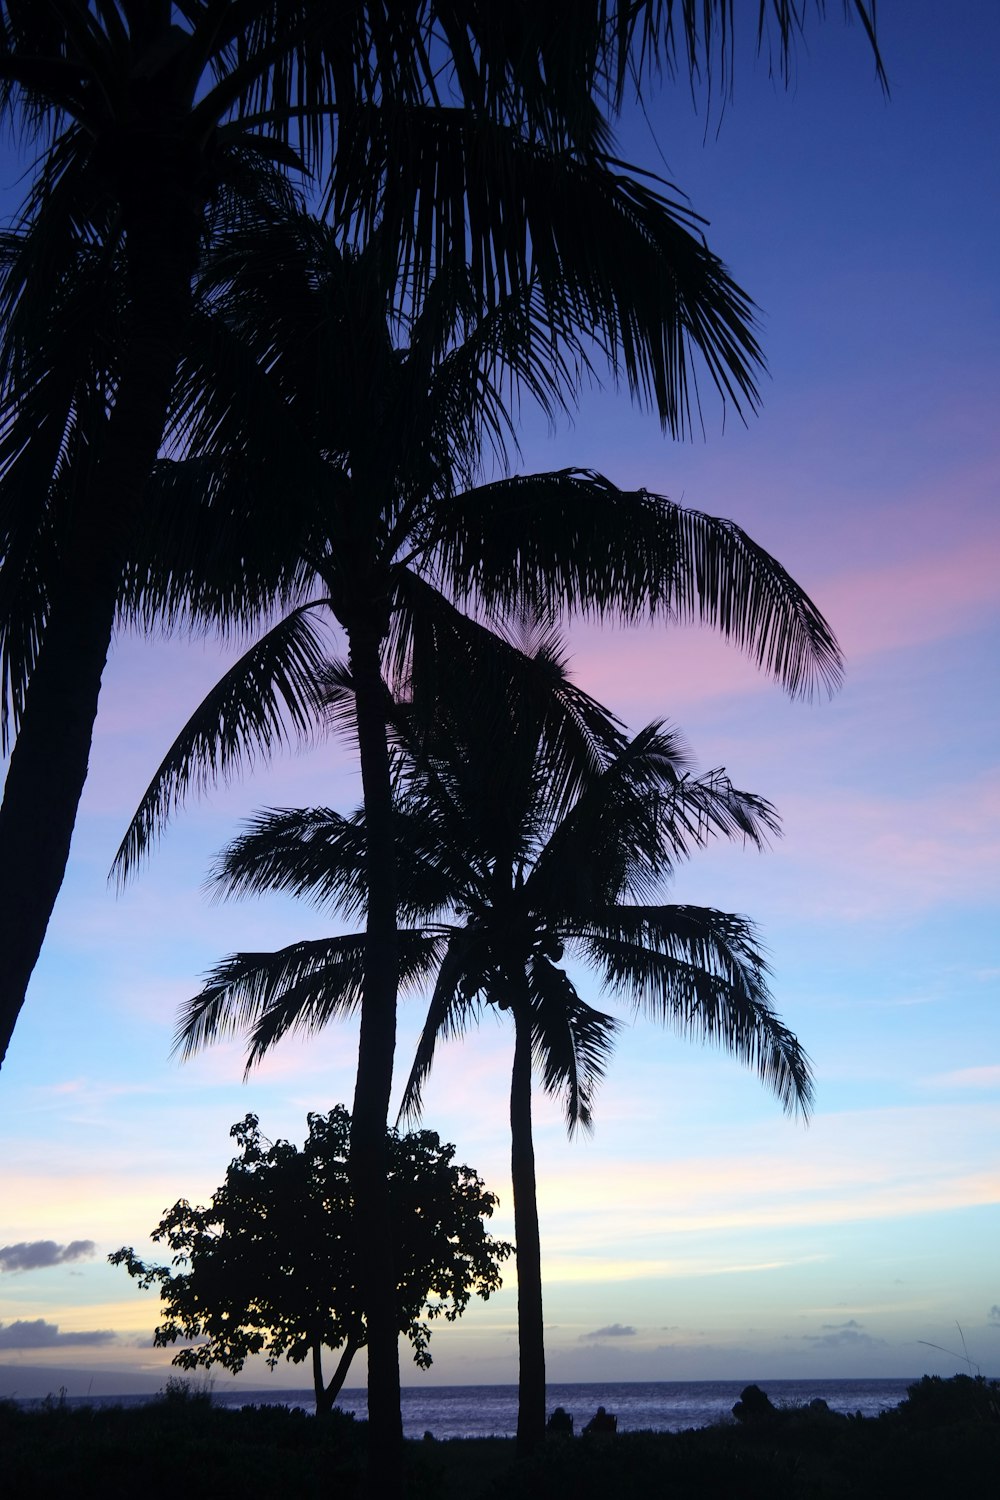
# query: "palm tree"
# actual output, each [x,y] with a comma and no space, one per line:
[145,132]
[538,880]
[512,852]
[462,137]
[367,448]
[142,106]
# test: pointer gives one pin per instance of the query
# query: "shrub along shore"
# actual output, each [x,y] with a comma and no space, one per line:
[945,1437]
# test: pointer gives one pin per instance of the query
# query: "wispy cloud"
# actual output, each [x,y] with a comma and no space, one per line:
[562,1268]
[776,1180]
[986,1077]
[862,857]
[915,600]
[611,1331]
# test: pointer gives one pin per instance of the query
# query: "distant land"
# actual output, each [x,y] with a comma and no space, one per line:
[29,1382]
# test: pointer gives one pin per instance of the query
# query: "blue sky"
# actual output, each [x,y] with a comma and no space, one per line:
[698,1233]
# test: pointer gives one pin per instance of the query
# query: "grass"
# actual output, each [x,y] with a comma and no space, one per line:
[944,1437]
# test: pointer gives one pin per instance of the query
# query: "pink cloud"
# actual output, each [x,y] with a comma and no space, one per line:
[867,856]
[917,600]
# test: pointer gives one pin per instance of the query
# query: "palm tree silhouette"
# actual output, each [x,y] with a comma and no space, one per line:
[145,108]
[364,450]
[544,879]
[149,118]
[516,851]
[463,139]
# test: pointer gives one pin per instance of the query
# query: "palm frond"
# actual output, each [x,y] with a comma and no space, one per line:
[608,250]
[204,556]
[306,979]
[320,856]
[699,807]
[572,542]
[571,1041]
[268,696]
[507,706]
[453,1006]
[301,987]
[699,41]
[28,571]
[313,853]
[646,811]
[702,972]
[474,382]
[57,366]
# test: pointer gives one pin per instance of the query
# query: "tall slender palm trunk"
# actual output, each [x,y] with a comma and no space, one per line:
[49,763]
[530,1329]
[369,1157]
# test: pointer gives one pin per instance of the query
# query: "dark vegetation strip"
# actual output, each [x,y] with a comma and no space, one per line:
[944,1439]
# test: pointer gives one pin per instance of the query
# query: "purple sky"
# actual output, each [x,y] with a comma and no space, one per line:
[733,1242]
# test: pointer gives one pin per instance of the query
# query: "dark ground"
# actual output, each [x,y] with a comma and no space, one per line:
[944,1439]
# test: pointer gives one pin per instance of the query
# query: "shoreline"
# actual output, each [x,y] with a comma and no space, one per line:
[944,1437]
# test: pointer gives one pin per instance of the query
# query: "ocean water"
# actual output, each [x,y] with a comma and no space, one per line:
[452,1411]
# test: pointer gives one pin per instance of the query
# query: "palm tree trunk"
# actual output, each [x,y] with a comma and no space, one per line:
[530,1330]
[377,1045]
[49,763]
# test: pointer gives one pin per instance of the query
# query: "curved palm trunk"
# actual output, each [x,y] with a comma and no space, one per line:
[49,763]
[530,1331]
[369,1158]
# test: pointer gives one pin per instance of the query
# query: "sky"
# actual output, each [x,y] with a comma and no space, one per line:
[698,1233]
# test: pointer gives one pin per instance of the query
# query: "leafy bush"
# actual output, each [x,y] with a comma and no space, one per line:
[935,1401]
[271,1265]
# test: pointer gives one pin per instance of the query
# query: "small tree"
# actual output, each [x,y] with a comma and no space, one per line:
[271,1266]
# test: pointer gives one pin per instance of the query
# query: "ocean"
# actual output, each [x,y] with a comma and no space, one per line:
[454,1411]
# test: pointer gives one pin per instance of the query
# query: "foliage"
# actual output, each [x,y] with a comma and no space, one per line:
[263,1451]
[306,406]
[359,452]
[474,134]
[529,832]
[270,1266]
[937,1402]
[113,1452]
[178,1392]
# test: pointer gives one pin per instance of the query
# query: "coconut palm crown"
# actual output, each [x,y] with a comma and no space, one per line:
[312,412]
[469,132]
[519,853]
[464,136]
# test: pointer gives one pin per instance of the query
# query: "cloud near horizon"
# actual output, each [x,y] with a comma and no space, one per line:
[611,1331]
[37,1334]
[847,1335]
[35,1255]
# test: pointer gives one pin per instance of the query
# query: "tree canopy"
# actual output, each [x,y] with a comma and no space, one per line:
[270,1266]
[531,837]
[481,135]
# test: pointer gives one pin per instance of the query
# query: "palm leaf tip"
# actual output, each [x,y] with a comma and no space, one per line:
[789,1075]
